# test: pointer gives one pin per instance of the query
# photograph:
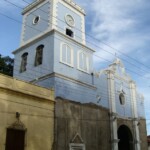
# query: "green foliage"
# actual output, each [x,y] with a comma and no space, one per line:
[6,65]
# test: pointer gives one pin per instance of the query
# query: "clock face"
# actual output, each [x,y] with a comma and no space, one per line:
[69,20]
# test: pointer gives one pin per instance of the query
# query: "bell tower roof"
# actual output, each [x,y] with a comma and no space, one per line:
[74,5]
[37,2]
[32,5]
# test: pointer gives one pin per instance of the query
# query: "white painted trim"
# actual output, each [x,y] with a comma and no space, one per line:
[135,115]
[49,32]
[87,63]
[67,78]
[67,37]
[83,30]
[37,7]
[54,14]
[77,135]
[31,6]
[49,15]
[61,54]
[123,78]
[34,38]
[71,7]
[23,30]
[73,146]
[33,21]
[112,109]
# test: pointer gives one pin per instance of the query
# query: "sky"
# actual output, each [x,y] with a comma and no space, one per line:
[114,29]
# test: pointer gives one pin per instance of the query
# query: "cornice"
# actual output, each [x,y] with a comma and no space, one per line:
[18,86]
[31,6]
[75,6]
[47,34]
[71,39]
[65,78]
[33,40]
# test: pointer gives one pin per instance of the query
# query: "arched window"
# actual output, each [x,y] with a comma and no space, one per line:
[39,55]
[66,54]
[122,98]
[24,62]
[83,61]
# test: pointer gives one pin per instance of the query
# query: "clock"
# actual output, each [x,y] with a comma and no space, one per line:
[69,20]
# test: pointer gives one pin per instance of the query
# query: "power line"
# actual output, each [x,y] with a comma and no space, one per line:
[78,36]
[103,93]
[52,111]
[96,39]
[138,74]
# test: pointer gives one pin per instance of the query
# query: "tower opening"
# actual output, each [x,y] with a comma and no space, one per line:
[69,32]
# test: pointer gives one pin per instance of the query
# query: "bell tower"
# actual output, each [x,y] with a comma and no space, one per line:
[53,47]
[42,16]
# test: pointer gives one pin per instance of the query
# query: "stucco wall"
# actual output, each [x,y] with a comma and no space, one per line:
[91,122]
[36,108]
[32,30]
[126,109]
[32,72]
[62,11]
[143,134]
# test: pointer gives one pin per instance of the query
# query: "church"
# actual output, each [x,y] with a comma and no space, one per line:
[94,110]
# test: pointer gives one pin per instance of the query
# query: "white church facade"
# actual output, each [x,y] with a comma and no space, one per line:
[53,54]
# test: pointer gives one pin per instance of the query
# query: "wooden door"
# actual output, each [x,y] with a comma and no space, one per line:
[15,139]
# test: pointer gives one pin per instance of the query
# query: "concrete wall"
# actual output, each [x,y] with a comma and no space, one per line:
[36,108]
[89,121]
[143,134]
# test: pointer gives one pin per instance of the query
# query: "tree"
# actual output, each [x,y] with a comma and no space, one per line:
[6,65]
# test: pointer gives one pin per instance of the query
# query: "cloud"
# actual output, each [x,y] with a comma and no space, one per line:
[122,24]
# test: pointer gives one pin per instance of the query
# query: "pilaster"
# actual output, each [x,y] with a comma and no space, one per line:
[54,14]
[135,116]
[83,30]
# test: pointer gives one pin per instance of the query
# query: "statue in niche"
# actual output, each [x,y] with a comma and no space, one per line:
[24,62]
[39,55]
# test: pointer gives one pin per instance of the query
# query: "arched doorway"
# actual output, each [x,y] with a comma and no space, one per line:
[125,137]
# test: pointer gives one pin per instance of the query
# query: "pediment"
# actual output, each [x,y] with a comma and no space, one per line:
[77,139]
[18,125]
[118,67]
